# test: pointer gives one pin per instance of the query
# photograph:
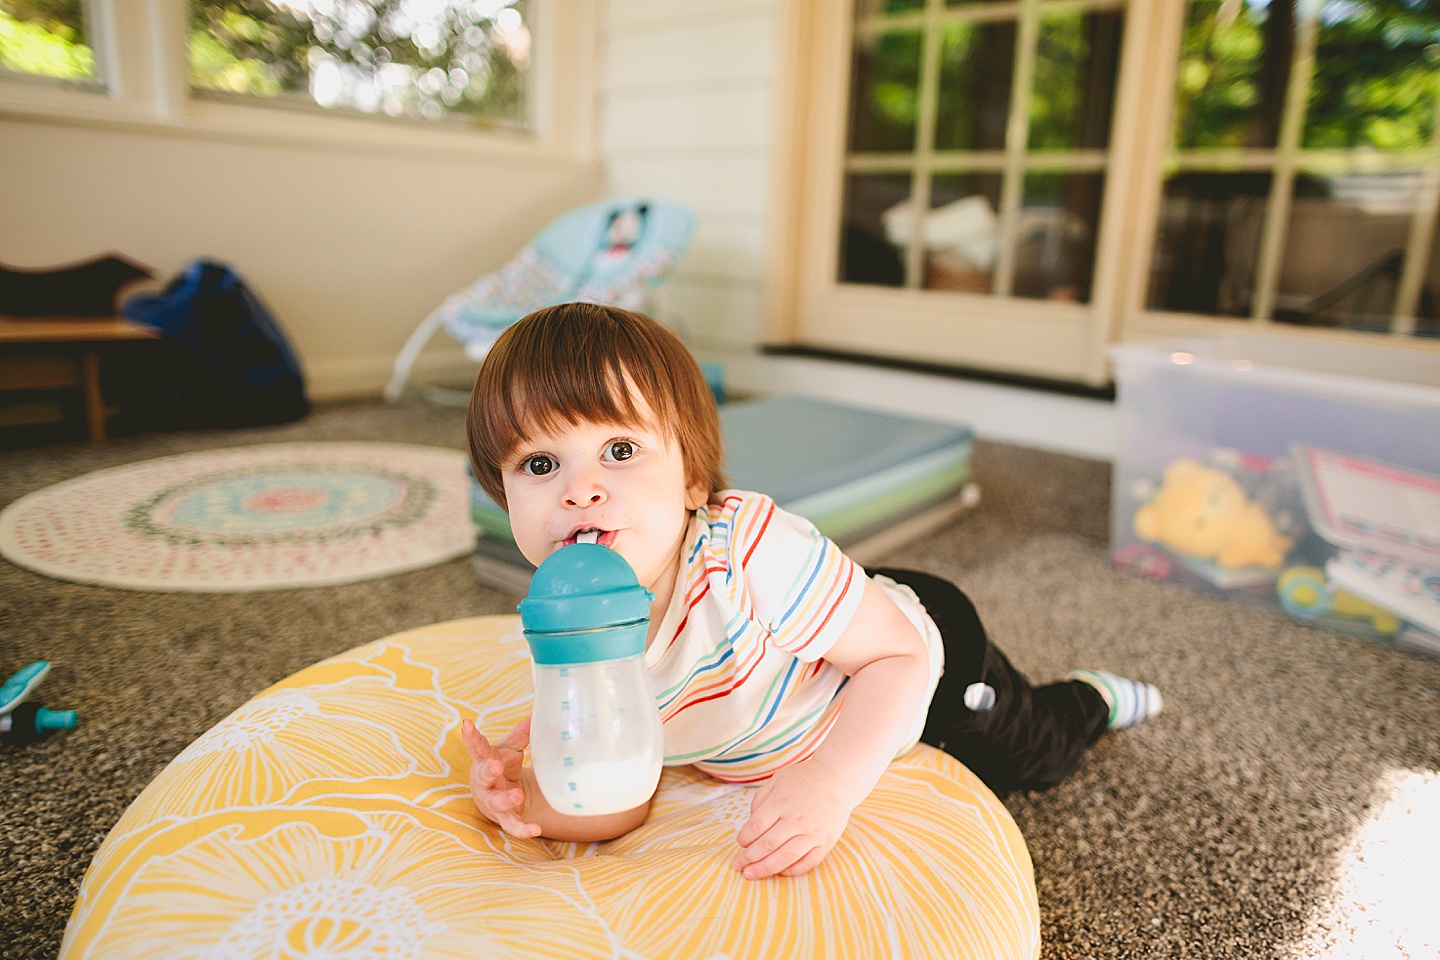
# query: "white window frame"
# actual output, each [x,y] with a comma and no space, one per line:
[142,81]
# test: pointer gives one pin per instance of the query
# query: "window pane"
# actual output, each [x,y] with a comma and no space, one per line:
[1055,235]
[430,60]
[1375,76]
[1345,248]
[1234,68]
[1076,63]
[46,38]
[977,63]
[874,229]
[960,232]
[1208,243]
[885,92]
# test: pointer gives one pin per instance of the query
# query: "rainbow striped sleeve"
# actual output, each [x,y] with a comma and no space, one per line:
[798,585]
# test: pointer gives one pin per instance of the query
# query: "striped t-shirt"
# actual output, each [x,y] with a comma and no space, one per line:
[737,663]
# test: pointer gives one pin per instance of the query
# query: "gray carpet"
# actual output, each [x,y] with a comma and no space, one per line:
[1223,828]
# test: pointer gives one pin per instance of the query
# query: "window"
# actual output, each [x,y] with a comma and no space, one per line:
[1300,187]
[449,66]
[423,59]
[47,38]
[995,119]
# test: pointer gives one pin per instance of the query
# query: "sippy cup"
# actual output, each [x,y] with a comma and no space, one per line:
[595,739]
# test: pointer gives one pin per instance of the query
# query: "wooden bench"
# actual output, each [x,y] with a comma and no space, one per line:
[46,353]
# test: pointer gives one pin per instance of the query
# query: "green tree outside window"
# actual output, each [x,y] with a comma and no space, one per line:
[380,56]
[45,38]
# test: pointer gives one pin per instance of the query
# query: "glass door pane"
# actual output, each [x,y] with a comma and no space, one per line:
[872,240]
[977,67]
[886,78]
[1302,182]
[1072,98]
[994,120]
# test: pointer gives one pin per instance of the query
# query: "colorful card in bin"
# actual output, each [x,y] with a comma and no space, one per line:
[1386,521]
[1363,504]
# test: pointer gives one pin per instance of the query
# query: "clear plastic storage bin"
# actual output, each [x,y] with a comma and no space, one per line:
[1303,477]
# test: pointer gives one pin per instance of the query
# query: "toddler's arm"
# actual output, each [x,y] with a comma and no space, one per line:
[797,815]
[505,793]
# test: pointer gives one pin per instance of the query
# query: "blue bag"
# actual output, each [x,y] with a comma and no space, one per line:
[237,368]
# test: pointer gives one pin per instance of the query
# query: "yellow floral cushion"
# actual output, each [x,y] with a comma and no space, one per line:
[330,817]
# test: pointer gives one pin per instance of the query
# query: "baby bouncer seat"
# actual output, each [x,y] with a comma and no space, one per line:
[613,252]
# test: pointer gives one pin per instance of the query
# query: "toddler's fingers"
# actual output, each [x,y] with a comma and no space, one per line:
[476,745]
[792,852]
[761,819]
[518,738]
[516,827]
[805,864]
[486,773]
[513,761]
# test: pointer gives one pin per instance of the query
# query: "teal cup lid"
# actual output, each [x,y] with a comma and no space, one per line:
[585,605]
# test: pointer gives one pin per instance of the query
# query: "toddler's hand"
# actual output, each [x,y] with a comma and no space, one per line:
[495,777]
[796,817]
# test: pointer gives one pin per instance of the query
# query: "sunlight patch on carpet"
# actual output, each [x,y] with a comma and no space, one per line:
[1383,905]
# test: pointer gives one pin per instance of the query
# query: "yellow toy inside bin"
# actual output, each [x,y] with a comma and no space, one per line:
[331,816]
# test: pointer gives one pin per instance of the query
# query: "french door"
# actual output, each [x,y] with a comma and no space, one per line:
[1011,185]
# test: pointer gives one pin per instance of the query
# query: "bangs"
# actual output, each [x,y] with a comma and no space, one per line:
[545,397]
[582,363]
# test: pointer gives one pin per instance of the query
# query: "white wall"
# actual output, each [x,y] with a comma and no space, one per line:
[349,247]
[686,112]
[352,229]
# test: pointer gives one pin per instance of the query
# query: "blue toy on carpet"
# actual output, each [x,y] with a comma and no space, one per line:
[22,721]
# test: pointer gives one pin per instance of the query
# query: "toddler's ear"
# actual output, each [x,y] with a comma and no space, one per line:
[695,497]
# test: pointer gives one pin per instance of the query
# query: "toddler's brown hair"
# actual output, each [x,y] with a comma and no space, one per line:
[573,363]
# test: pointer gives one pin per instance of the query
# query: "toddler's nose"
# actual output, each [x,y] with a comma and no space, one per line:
[584,490]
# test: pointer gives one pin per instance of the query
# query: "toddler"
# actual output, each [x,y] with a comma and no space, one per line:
[775,659]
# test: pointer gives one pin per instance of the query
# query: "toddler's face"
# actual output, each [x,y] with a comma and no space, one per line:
[626,483]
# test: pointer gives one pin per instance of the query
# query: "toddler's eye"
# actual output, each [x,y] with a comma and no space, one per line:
[537,466]
[620,450]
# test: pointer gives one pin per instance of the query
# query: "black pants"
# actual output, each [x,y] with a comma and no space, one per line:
[1032,737]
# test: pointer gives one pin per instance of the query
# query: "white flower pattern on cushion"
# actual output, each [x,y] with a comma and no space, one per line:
[354,731]
[332,884]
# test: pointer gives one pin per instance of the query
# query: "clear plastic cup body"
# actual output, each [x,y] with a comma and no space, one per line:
[596,743]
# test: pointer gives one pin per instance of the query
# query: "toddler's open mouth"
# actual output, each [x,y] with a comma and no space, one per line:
[606,538]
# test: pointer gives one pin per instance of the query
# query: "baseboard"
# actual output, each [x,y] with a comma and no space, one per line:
[348,378]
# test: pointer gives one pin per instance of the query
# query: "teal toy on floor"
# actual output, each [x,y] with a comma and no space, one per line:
[24,722]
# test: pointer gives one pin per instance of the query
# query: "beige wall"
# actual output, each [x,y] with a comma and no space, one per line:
[350,246]
[686,108]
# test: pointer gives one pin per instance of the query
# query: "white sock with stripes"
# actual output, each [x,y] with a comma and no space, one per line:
[1130,701]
